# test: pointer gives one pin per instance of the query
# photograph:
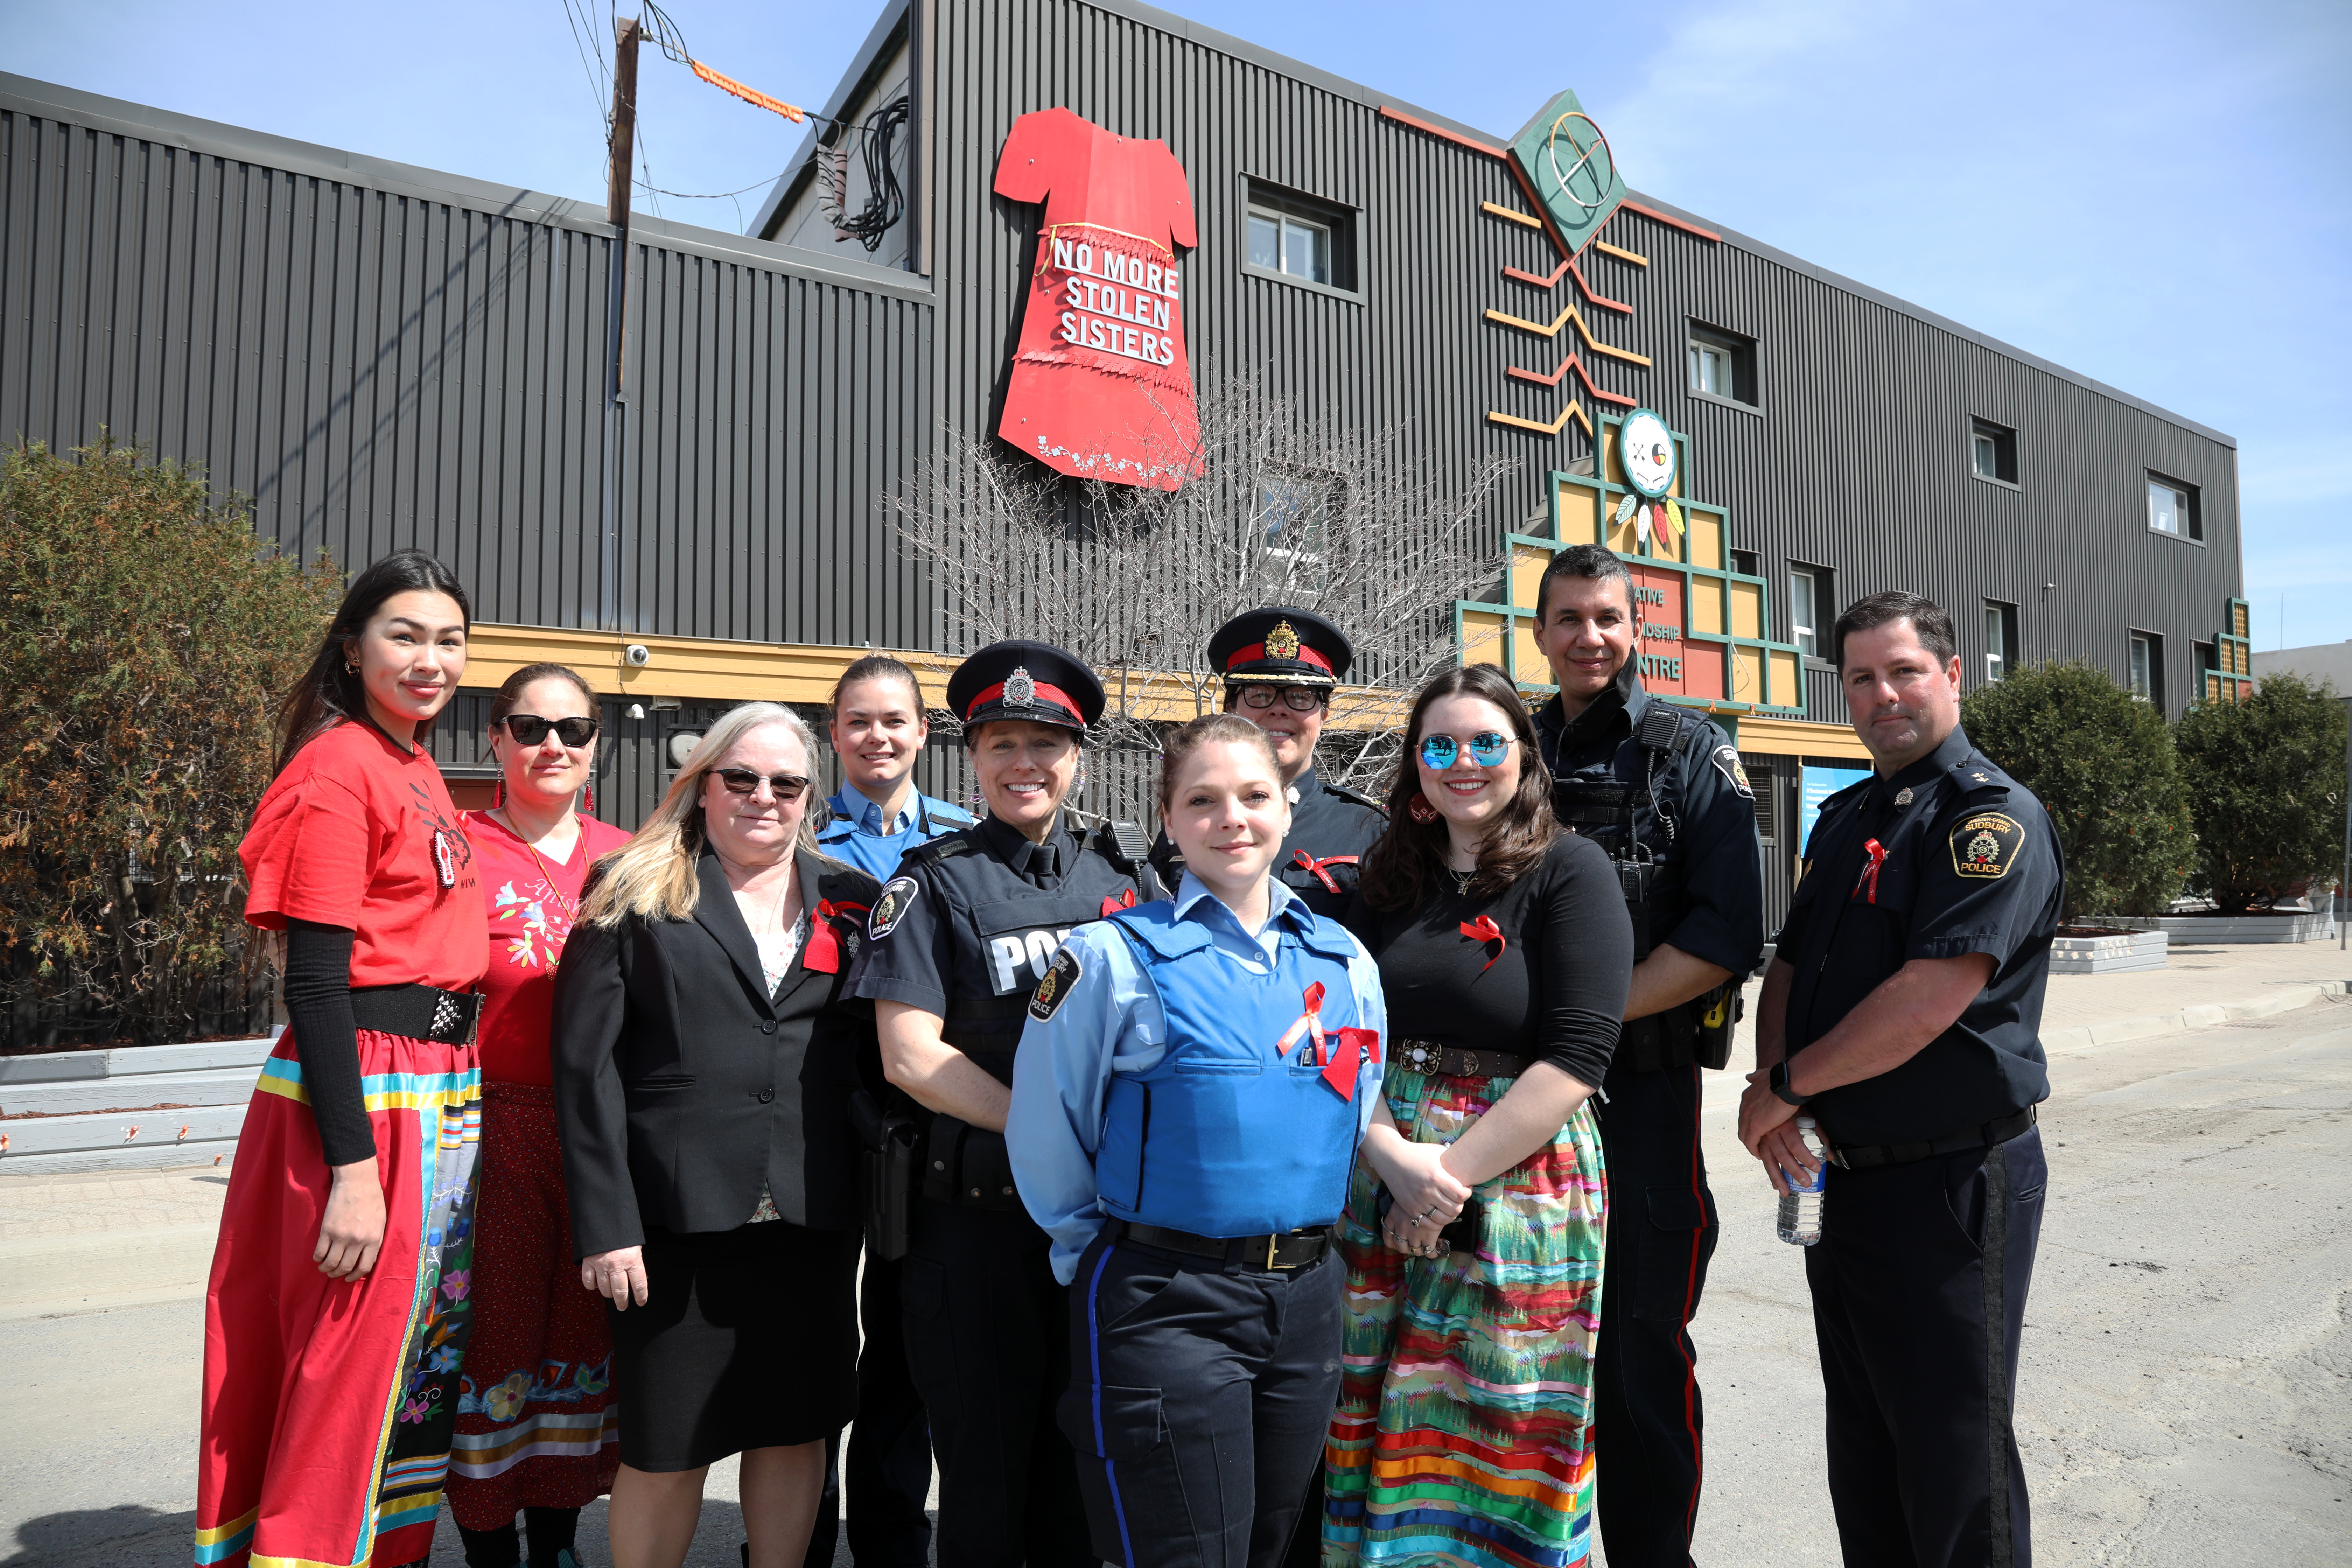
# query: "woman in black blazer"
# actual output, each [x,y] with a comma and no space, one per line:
[704,1061]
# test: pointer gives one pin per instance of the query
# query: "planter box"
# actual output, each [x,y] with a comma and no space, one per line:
[2117,954]
[97,1110]
[2196,931]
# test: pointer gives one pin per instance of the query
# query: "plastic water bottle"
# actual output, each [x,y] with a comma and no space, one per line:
[1800,1211]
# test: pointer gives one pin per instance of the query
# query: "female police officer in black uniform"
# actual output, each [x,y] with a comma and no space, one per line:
[958,941]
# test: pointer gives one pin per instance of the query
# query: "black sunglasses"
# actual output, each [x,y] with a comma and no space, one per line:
[530,728]
[786,787]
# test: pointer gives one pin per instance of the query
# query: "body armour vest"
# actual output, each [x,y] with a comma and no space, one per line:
[1231,1134]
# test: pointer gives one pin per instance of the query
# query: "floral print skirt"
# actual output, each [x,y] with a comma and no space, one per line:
[328,1404]
[1464,1435]
[538,1425]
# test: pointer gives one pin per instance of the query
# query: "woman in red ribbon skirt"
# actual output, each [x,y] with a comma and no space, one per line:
[336,1319]
[537,1428]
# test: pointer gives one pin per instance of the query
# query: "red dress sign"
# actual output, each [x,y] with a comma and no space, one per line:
[1101,387]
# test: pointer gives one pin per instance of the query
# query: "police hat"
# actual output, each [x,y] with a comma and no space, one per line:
[1280,646]
[1021,679]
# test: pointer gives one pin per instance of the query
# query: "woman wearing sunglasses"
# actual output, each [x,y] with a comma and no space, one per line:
[704,1060]
[537,1428]
[1473,1230]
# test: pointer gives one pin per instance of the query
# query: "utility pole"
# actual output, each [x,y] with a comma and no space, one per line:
[611,607]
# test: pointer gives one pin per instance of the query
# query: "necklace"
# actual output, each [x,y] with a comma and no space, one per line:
[1462,881]
[569,907]
[776,916]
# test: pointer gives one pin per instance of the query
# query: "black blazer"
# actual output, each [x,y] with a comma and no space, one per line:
[680,1086]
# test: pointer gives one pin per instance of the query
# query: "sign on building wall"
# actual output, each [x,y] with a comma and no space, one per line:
[1101,386]
[1815,785]
[1704,629]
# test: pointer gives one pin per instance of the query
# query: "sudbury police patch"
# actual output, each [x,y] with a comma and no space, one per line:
[898,895]
[1727,762]
[1986,844]
[1054,989]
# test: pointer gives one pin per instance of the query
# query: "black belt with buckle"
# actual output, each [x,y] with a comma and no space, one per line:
[1295,1249]
[418,1013]
[1869,1156]
[1442,1060]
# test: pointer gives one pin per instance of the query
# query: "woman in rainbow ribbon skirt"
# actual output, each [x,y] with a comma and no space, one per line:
[1189,1089]
[1474,1225]
[340,1303]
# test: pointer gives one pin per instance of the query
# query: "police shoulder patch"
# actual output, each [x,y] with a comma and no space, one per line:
[1985,845]
[898,895]
[1055,988]
[1727,762]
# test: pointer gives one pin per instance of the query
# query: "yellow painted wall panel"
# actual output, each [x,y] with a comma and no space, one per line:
[1747,675]
[1747,611]
[1783,686]
[1527,564]
[1531,668]
[1482,637]
[1707,539]
[1706,604]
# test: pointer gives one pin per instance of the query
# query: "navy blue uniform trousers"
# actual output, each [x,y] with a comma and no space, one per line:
[1647,1417]
[1200,1396]
[889,1459]
[1919,1284]
[988,1343]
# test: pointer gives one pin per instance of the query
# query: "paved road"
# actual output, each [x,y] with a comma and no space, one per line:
[2184,1398]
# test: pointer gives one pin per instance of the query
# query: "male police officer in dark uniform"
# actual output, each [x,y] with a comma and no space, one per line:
[1280,665]
[1661,789]
[957,942]
[1903,1011]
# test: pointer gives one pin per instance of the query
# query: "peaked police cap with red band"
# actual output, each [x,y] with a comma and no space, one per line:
[1021,679]
[1280,646]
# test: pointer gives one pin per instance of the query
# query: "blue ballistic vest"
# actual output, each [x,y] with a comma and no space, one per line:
[1223,1137]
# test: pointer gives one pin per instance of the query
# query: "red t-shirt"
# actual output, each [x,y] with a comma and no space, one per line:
[532,901]
[356,834]
[1101,386]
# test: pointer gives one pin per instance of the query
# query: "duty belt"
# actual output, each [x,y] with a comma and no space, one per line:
[1442,1060]
[418,1013]
[1293,1249]
[1864,1157]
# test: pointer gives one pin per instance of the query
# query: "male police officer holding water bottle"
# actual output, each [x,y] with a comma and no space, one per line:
[1903,1011]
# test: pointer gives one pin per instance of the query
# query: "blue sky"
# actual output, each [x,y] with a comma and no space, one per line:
[2153,194]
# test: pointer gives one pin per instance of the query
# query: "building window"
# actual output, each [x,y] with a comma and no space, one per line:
[1810,611]
[1766,784]
[1722,364]
[2147,668]
[1298,236]
[1992,451]
[1744,562]
[2001,639]
[2172,507]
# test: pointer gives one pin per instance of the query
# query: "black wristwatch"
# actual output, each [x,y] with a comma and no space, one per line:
[1780,1085]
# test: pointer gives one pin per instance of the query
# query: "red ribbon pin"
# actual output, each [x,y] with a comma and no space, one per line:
[823,952]
[1313,867]
[1111,906]
[1351,1049]
[1483,930]
[1870,872]
[1310,1023]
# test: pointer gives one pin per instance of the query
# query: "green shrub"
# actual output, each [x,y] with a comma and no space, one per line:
[2266,776]
[2102,764]
[144,639]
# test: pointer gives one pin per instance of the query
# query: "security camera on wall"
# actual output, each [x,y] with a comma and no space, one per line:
[637,655]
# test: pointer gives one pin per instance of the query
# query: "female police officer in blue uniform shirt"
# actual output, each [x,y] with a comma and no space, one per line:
[958,940]
[1186,1105]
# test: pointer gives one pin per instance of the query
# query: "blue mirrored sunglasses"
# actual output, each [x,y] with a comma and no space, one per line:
[1488,750]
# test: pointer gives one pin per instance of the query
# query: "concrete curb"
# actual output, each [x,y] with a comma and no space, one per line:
[2204,1017]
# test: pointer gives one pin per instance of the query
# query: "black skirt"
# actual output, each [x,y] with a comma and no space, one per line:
[748,1340]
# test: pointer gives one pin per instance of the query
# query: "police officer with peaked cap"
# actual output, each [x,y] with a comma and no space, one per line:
[1280,667]
[1661,788]
[1903,1011]
[957,942]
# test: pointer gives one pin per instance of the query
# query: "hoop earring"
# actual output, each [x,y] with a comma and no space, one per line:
[349,669]
[1420,811]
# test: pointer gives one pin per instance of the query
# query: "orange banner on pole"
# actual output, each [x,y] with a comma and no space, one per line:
[751,95]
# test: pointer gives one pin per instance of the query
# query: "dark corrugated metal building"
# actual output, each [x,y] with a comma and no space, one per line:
[380,355]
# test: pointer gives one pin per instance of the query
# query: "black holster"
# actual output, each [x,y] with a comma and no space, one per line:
[968,1166]
[889,1152]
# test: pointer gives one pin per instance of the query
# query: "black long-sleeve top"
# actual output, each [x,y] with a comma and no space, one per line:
[1555,993]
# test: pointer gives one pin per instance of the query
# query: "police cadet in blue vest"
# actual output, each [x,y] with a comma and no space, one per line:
[1661,788]
[958,940]
[1280,667]
[878,731]
[1192,1087]
[1903,1011]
